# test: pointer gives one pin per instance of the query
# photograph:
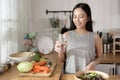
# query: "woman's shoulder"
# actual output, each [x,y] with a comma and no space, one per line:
[71,31]
[96,36]
[68,33]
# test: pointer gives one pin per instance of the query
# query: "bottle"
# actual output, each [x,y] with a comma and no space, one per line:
[1,69]
[5,67]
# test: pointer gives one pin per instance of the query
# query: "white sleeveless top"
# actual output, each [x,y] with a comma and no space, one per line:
[80,51]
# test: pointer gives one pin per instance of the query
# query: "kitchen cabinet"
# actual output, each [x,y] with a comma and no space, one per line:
[107,68]
[116,44]
[110,64]
[118,69]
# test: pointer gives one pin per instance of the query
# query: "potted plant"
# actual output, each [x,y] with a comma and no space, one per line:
[54,22]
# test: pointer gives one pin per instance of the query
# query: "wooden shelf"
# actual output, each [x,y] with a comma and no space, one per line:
[117,50]
[115,43]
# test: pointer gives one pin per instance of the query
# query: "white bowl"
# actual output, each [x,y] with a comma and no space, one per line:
[21,56]
[105,76]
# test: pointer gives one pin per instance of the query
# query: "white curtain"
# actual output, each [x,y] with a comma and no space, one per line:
[14,20]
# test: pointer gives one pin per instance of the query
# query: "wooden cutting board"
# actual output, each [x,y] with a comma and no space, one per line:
[39,74]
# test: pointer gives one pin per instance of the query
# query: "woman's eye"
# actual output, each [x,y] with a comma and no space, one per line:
[78,16]
[81,16]
[74,16]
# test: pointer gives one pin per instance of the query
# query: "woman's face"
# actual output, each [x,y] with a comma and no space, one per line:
[80,18]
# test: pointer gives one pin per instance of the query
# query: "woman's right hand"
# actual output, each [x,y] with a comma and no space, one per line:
[59,47]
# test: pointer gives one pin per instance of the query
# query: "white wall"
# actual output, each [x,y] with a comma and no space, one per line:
[105,13]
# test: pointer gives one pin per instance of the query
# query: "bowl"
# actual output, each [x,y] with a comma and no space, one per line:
[21,56]
[103,75]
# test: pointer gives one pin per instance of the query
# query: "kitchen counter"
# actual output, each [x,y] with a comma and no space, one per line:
[110,58]
[13,73]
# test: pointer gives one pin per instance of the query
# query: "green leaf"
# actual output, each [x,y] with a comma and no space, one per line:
[36,57]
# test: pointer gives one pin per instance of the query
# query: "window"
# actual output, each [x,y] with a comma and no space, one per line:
[14,19]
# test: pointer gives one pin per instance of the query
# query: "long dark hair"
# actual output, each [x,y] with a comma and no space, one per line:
[87,9]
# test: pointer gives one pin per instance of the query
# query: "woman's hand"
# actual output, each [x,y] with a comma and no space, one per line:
[90,66]
[59,47]
[61,50]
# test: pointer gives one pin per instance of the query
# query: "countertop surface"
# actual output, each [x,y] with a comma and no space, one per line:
[110,58]
[13,73]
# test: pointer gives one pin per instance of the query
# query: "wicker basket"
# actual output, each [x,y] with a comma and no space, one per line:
[21,56]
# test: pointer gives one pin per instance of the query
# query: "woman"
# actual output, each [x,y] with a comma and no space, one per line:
[84,47]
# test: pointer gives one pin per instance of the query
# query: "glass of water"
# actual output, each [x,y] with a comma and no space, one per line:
[62,43]
[62,39]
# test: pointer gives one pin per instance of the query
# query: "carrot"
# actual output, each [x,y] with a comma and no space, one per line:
[41,63]
[45,69]
[38,68]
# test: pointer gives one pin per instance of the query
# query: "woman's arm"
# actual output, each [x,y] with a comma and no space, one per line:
[61,49]
[99,53]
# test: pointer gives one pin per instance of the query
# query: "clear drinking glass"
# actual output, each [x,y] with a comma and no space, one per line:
[62,39]
[62,42]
